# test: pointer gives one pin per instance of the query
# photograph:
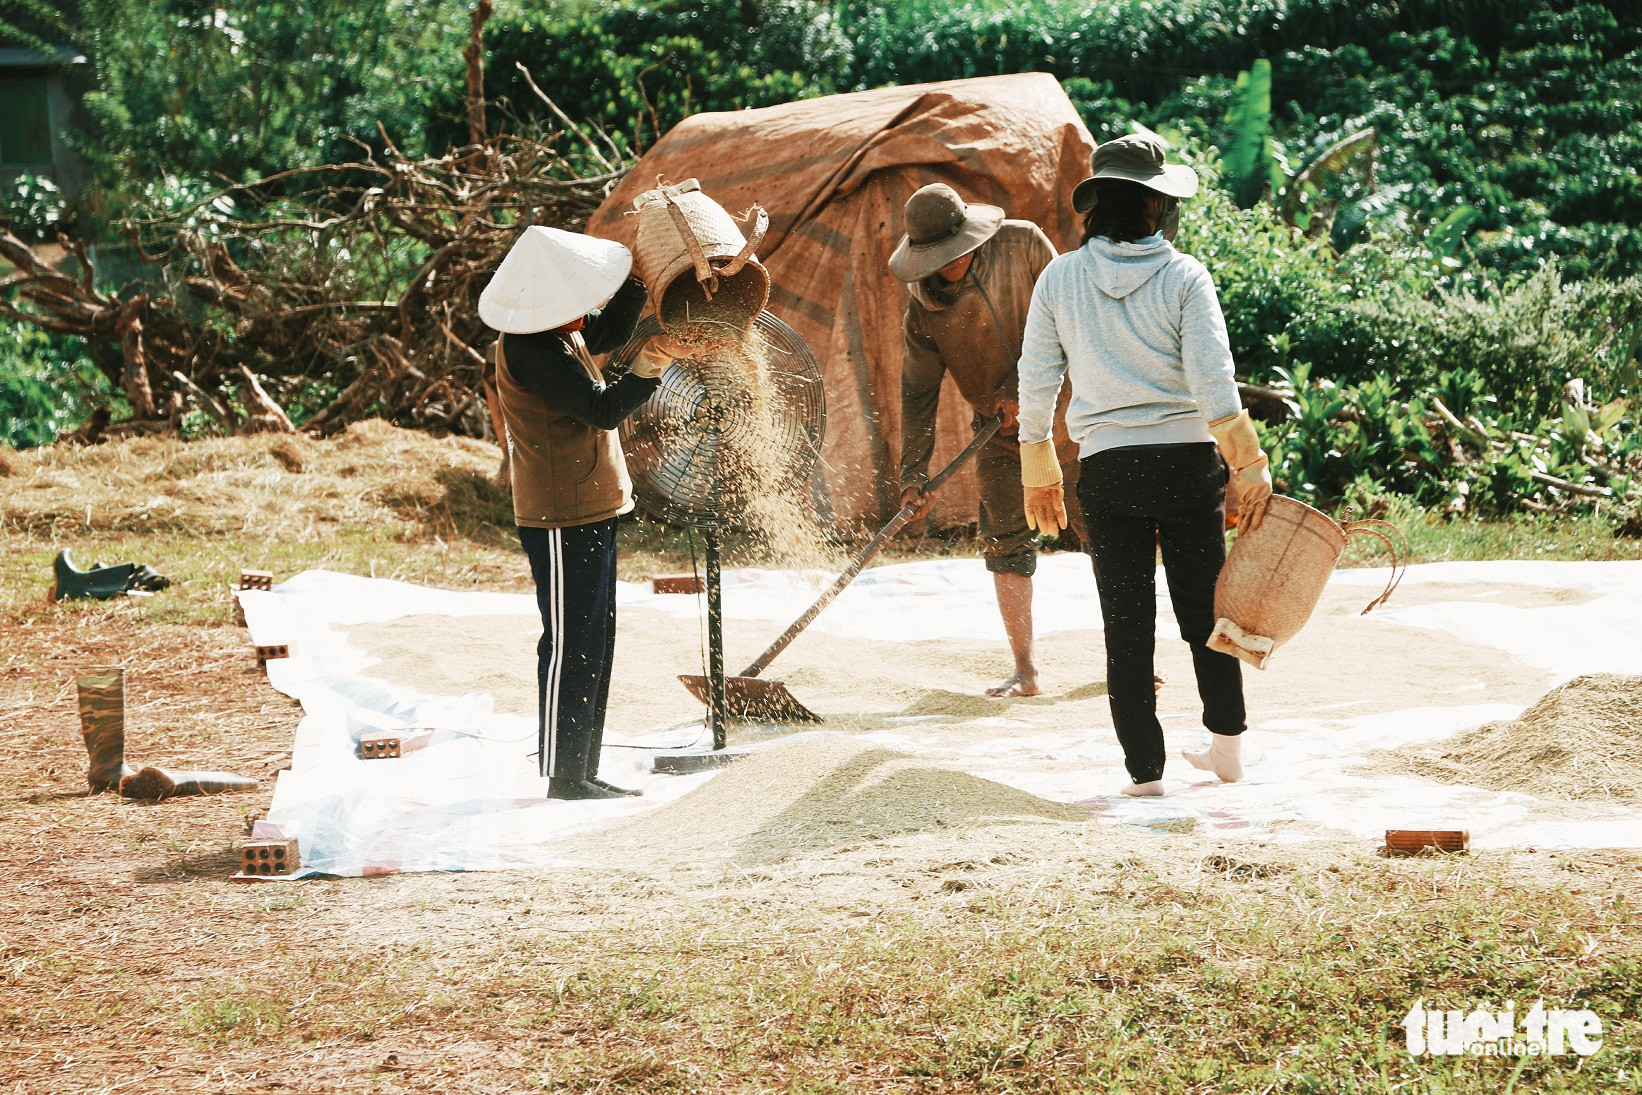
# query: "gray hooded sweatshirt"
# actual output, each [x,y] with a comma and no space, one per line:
[1138,329]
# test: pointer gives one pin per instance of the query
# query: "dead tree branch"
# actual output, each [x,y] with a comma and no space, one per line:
[358,279]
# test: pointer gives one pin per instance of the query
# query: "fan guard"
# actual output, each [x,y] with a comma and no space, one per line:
[679,442]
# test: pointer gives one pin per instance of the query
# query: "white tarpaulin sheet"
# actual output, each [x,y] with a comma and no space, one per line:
[466,795]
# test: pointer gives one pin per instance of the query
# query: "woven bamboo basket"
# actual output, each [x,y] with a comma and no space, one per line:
[1274,577]
[692,256]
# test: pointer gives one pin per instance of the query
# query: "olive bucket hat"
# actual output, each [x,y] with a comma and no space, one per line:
[1138,157]
[941,228]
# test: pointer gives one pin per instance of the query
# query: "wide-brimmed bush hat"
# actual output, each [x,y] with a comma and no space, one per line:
[1140,158]
[941,228]
[551,277]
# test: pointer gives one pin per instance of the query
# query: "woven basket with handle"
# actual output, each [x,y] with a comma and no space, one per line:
[695,261]
[1274,576]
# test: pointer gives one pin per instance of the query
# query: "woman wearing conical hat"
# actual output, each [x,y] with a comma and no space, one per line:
[1136,328]
[559,299]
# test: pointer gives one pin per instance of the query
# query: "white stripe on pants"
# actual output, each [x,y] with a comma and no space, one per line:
[556,667]
[574,569]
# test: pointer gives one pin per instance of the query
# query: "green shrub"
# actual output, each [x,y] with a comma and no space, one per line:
[1528,338]
[34,206]
[1382,309]
[1268,274]
[1385,438]
[45,384]
[639,68]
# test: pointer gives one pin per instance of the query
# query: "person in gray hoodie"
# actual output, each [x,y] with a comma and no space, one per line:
[1136,328]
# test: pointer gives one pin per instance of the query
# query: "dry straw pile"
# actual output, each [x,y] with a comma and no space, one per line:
[403,483]
[1582,740]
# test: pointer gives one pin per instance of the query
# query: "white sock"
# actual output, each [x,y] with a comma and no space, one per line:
[1223,757]
[1154,789]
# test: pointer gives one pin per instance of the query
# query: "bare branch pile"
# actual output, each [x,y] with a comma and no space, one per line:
[357,298]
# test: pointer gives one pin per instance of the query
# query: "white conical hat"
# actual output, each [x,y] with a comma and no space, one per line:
[550,278]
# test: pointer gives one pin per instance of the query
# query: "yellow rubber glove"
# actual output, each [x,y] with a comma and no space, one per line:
[1041,480]
[657,354]
[1240,446]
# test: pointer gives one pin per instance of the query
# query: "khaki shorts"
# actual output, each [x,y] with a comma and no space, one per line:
[1009,546]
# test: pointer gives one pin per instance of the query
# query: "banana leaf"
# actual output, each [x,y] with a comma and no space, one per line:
[1448,233]
[1248,159]
[1335,160]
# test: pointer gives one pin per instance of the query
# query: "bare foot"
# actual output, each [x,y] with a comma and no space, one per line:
[1154,789]
[1223,757]
[1019,686]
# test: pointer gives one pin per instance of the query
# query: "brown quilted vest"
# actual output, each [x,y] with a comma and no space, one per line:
[564,472]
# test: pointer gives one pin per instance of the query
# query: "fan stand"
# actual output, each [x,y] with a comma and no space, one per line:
[684,762]
[696,409]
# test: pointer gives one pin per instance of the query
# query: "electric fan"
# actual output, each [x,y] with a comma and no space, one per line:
[688,449]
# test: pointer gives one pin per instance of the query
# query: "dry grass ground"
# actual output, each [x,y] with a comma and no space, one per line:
[1056,957]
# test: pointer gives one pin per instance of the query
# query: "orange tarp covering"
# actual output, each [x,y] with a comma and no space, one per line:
[834,173]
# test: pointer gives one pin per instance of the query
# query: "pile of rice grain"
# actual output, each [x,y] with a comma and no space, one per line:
[1582,740]
[815,792]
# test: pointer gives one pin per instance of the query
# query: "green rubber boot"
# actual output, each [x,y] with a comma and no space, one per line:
[102,721]
[157,783]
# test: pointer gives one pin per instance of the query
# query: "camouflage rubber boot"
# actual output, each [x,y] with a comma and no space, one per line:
[157,783]
[102,721]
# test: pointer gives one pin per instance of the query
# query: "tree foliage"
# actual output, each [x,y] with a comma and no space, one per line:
[1407,204]
[637,68]
[241,89]
[1529,111]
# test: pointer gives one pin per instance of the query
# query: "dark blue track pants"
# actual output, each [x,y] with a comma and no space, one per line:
[575,573]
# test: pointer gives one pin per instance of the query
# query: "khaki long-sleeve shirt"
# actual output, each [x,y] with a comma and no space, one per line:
[972,330]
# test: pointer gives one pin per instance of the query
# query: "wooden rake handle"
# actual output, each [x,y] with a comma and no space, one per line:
[873,546]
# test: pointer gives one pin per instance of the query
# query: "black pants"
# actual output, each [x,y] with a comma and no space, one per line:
[1136,500]
[575,573]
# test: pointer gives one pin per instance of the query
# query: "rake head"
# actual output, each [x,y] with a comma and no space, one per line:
[754,699]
